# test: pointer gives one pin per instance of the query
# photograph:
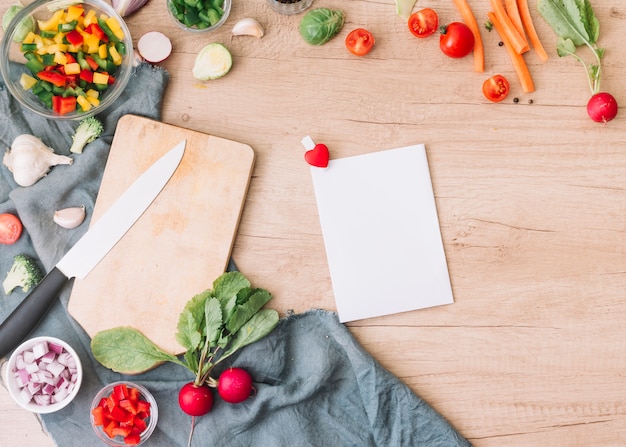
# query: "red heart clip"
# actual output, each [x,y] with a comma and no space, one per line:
[318,156]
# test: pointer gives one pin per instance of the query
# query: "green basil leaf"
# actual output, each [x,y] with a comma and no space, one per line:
[126,350]
[243,312]
[261,324]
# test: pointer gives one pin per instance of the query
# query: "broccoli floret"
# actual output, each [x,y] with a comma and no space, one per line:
[87,131]
[24,273]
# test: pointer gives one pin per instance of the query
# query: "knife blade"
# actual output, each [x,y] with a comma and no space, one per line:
[90,249]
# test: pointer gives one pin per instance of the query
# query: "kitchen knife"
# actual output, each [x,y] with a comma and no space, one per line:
[90,249]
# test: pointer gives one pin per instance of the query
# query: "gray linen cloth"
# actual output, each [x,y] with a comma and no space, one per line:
[316,386]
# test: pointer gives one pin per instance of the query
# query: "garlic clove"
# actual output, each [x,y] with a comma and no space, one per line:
[70,217]
[248,27]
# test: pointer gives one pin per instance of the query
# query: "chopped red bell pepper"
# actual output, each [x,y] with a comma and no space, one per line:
[74,37]
[54,77]
[86,75]
[132,439]
[92,63]
[63,105]
[95,29]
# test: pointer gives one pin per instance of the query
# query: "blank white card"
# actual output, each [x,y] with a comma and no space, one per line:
[381,233]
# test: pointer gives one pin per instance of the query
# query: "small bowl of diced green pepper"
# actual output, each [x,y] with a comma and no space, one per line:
[199,15]
[74,60]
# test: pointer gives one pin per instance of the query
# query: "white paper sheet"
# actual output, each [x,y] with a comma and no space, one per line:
[381,233]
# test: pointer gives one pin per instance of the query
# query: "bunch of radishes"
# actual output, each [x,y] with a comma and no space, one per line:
[234,386]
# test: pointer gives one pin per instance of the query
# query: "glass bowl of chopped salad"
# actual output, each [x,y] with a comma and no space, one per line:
[66,59]
[43,375]
[199,16]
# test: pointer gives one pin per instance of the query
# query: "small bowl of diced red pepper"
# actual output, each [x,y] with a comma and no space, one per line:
[124,413]
[74,60]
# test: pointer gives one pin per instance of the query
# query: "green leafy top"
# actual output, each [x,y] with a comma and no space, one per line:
[212,326]
[575,24]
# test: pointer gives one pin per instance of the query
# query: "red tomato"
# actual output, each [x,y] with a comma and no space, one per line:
[10,228]
[359,42]
[423,23]
[496,88]
[456,40]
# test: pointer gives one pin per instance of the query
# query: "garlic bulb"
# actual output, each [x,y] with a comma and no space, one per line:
[70,217]
[29,159]
[248,27]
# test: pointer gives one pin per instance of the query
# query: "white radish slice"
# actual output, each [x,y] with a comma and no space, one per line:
[154,46]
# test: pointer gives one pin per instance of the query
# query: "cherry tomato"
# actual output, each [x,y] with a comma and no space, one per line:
[423,23]
[496,88]
[456,40]
[10,228]
[359,42]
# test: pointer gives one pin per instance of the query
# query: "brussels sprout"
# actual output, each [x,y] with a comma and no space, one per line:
[320,25]
[26,25]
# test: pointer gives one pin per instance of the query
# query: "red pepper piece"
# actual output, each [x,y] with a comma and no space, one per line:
[74,37]
[86,75]
[63,105]
[132,439]
[92,63]
[54,77]
[95,29]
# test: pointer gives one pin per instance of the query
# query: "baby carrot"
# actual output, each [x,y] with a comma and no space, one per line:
[469,19]
[513,12]
[519,64]
[519,44]
[527,20]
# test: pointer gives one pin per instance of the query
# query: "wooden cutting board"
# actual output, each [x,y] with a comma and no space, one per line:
[182,242]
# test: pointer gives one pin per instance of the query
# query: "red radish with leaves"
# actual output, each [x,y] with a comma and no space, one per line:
[195,400]
[576,24]
[235,385]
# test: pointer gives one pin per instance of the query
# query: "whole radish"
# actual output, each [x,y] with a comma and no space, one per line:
[602,107]
[235,385]
[195,400]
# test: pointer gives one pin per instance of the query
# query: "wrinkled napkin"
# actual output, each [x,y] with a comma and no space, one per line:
[316,386]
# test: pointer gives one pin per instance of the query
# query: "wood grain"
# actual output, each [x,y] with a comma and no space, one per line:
[530,195]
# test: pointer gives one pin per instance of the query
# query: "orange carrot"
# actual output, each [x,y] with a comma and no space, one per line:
[527,20]
[519,63]
[514,15]
[469,19]
[519,44]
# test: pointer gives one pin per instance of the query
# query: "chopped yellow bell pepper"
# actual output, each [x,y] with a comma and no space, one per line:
[90,43]
[72,68]
[60,58]
[102,51]
[27,82]
[115,27]
[115,56]
[90,18]
[74,12]
[83,102]
[58,38]
[92,93]
[100,78]
[52,24]
[30,37]
[93,101]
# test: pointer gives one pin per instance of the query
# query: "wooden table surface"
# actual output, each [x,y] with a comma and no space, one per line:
[530,195]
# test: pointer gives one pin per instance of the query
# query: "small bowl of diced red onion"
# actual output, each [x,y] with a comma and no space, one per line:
[43,374]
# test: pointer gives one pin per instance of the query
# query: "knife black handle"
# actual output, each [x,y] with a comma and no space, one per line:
[30,311]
